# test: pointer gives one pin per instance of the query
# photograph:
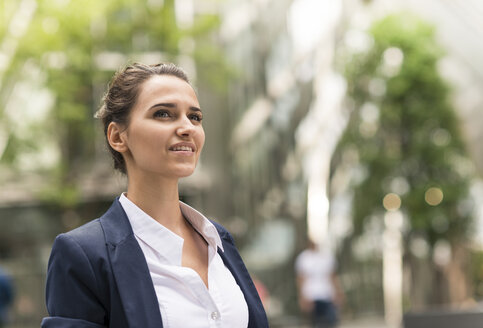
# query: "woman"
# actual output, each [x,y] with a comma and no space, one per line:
[151,260]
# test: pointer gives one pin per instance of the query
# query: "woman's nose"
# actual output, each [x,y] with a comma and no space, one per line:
[185,128]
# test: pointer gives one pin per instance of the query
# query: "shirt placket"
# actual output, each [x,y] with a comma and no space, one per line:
[215,296]
[204,296]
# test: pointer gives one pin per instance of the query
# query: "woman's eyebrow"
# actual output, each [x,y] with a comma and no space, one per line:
[173,105]
[169,105]
[195,109]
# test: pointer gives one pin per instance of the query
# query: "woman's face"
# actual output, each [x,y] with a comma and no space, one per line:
[164,136]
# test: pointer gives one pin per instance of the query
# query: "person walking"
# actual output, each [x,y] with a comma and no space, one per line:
[319,291]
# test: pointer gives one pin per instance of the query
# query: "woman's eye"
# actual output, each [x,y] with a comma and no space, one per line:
[161,114]
[196,117]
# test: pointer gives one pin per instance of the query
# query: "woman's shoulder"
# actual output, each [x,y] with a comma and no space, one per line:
[94,232]
[88,231]
[88,237]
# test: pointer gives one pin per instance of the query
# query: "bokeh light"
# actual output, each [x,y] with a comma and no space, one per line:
[433,196]
[391,202]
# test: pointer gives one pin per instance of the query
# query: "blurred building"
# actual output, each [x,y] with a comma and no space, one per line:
[287,115]
[269,138]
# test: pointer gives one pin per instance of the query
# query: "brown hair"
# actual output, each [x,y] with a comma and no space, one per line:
[122,94]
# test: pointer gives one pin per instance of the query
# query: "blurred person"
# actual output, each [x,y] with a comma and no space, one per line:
[6,296]
[319,292]
[151,260]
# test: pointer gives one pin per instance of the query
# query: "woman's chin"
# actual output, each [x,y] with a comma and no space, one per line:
[184,173]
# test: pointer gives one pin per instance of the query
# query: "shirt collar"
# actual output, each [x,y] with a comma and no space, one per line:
[204,227]
[168,244]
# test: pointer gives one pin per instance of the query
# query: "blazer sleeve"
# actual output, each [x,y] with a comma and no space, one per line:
[72,291]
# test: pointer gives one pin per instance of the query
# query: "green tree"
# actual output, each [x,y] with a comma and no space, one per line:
[407,143]
[69,51]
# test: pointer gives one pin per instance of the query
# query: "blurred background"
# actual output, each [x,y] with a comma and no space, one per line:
[355,123]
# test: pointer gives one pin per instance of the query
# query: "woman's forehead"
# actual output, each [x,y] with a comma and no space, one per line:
[166,87]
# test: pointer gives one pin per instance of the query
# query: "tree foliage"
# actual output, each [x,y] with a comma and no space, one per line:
[68,53]
[403,134]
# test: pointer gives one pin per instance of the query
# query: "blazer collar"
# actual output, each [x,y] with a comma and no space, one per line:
[130,270]
[116,224]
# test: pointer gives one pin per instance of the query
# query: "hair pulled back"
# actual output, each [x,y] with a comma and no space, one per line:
[122,95]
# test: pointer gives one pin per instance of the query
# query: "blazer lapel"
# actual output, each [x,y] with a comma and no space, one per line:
[234,263]
[130,270]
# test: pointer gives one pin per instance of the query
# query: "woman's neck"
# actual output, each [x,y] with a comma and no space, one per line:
[159,198]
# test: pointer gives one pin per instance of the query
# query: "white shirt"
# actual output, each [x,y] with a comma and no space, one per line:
[316,268]
[184,300]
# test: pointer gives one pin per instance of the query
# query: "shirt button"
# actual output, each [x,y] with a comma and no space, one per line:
[215,315]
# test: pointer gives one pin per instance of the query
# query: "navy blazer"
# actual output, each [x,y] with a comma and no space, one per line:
[98,277]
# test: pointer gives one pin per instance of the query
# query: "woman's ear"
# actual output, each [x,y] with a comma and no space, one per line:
[116,136]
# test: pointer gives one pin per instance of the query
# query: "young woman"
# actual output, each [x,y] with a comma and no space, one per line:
[151,260]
